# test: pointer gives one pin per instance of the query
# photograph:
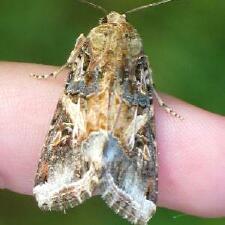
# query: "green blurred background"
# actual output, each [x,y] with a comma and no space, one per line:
[185,41]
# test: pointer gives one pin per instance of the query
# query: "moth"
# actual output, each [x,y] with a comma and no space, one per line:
[101,140]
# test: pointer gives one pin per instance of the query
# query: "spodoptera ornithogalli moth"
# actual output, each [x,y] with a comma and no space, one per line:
[102,137]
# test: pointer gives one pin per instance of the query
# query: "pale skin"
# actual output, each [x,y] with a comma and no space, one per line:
[192,151]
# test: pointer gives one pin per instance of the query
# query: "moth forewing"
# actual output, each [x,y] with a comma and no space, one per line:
[102,139]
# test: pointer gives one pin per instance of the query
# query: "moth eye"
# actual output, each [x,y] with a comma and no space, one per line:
[103,20]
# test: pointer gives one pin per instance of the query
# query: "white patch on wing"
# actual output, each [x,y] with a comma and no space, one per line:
[63,177]
[77,116]
[136,124]
[143,209]
[93,147]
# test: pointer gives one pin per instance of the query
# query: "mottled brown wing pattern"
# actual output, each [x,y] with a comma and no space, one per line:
[65,177]
[130,178]
[101,139]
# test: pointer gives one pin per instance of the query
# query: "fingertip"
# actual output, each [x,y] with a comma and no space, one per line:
[192,150]
[191,160]
[26,109]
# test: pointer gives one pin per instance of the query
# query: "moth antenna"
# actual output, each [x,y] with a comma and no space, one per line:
[148,6]
[95,6]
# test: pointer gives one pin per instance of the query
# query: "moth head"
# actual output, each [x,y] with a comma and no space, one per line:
[115,17]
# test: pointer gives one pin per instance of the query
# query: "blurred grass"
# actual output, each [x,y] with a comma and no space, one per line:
[22,210]
[185,41]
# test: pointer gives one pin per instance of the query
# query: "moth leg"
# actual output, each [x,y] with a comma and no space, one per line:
[144,74]
[53,74]
[167,108]
[70,61]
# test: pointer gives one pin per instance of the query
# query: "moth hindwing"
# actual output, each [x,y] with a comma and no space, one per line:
[102,139]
